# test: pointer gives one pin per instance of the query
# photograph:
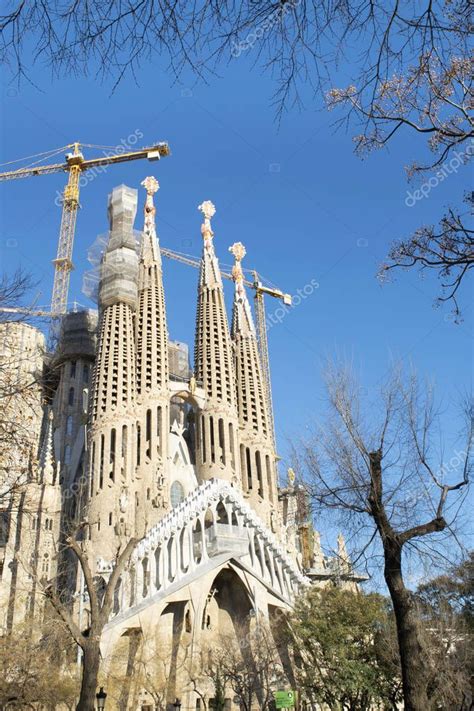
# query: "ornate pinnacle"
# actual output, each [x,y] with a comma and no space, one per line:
[151,185]
[208,210]
[46,456]
[239,252]
[342,553]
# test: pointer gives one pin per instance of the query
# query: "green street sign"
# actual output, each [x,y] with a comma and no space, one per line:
[284,699]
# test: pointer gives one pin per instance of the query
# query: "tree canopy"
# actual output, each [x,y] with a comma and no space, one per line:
[345,649]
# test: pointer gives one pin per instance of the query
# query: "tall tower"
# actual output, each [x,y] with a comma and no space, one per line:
[112,435]
[73,365]
[217,429]
[152,371]
[32,548]
[257,455]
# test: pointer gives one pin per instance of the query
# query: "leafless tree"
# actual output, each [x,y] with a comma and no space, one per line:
[425,87]
[248,664]
[100,597]
[378,466]
[448,250]
[297,40]
[447,611]
[25,653]
[139,666]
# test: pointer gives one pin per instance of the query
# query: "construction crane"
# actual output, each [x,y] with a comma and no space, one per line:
[260,321]
[75,164]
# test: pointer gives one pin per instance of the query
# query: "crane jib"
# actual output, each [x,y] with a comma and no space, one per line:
[74,165]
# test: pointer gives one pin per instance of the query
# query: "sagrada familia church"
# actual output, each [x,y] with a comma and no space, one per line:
[128,441]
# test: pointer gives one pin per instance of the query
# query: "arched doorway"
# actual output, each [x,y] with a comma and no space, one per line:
[228,609]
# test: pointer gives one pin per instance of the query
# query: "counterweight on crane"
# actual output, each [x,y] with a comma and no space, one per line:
[75,165]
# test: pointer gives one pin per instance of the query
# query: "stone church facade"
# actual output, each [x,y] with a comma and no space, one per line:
[129,441]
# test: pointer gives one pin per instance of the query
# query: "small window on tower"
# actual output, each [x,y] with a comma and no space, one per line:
[70,398]
[73,369]
[45,563]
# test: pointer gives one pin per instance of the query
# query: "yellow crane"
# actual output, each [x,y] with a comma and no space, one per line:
[75,164]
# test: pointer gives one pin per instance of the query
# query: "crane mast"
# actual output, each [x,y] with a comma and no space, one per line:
[63,263]
[75,165]
[262,341]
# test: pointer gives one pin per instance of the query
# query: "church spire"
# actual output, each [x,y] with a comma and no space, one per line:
[213,351]
[210,274]
[257,452]
[213,362]
[152,368]
[114,374]
[242,321]
[150,252]
[112,434]
[46,455]
[250,393]
[151,331]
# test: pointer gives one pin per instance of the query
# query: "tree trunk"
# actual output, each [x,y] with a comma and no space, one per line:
[413,658]
[90,672]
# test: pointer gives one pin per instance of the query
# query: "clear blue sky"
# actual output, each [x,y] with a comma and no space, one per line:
[305,207]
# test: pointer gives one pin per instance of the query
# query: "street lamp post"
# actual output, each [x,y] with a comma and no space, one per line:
[101,696]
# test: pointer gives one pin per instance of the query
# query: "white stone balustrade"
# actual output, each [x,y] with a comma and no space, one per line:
[214,520]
